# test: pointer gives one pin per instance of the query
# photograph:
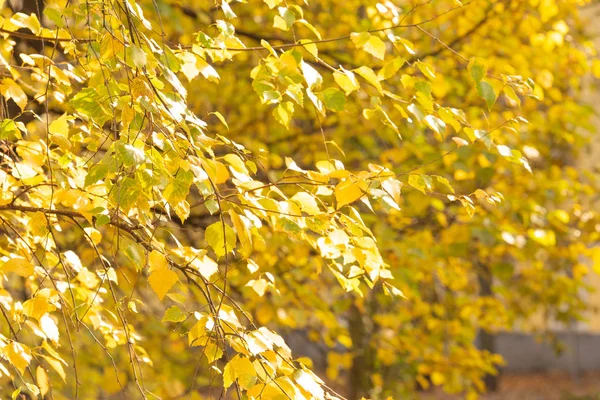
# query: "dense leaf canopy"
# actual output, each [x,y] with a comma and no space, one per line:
[189,189]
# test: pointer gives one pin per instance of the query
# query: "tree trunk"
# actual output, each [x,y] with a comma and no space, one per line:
[487,340]
[358,379]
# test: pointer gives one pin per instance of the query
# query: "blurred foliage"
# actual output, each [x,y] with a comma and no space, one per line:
[184,185]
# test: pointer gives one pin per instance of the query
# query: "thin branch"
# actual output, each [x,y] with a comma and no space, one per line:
[458,39]
[32,36]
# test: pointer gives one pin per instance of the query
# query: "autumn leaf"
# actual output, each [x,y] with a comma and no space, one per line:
[11,90]
[162,280]
[240,369]
[19,266]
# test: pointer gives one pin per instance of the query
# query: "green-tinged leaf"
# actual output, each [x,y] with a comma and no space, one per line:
[334,99]
[486,91]
[390,68]
[444,182]
[8,129]
[285,19]
[227,10]
[178,189]
[174,314]
[477,69]
[310,27]
[126,193]
[129,155]
[138,56]
[96,173]
[136,254]
[426,69]
[283,113]
[55,15]
[220,237]
[420,182]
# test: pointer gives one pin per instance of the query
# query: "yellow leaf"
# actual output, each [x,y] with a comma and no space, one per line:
[11,90]
[19,266]
[252,266]
[510,93]
[199,330]
[141,88]
[272,3]
[33,153]
[368,75]
[271,391]
[459,141]
[30,22]
[307,203]
[283,113]
[212,352]
[23,172]
[347,192]
[42,380]
[243,232]
[157,261]
[37,307]
[221,173]
[94,235]
[60,125]
[56,366]
[216,171]
[242,369]
[18,355]
[161,281]
[236,163]
[259,286]
[346,80]
[369,43]
[59,130]
[189,68]
[426,69]
[33,389]
[220,237]
[309,382]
